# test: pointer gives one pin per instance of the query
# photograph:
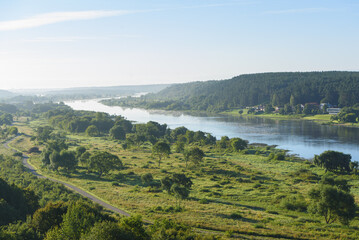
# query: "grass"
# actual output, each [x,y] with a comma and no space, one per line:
[319,118]
[232,192]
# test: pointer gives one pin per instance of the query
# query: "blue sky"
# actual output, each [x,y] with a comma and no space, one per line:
[61,43]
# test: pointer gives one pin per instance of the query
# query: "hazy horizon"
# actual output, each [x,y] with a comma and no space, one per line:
[67,44]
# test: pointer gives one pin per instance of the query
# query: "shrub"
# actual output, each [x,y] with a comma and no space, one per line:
[294,203]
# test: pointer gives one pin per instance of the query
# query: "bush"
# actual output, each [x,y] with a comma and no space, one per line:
[235,216]
[294,203]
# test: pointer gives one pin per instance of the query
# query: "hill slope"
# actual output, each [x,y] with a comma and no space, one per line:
[340,88]
[6,94]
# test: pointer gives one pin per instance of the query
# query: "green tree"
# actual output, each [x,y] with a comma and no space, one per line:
[194,155]
[43,133]
[238,144]
[48,217]
[333,204]
[117,132]
[68,160]
[92,131]
[102,162]
[107,230]
[178,185]
[275,100]
[333,161]
[268,108]
[161,150]
[79,151]
[147,178]
[12,130]
[224,143]
[79,219]
[293,100]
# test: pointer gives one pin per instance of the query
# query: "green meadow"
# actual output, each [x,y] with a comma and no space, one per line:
[236,193]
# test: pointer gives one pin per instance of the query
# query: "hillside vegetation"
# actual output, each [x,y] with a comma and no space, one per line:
[221,188]
[278,89]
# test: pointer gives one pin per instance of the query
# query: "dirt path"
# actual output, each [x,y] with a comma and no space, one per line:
[72,187]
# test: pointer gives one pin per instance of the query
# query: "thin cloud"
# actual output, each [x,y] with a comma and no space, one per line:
[57,17]
[63,39]
[299,10]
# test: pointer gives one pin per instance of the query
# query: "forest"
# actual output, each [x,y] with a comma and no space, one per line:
[278,89]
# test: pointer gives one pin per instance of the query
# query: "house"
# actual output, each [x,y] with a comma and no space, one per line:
[333,111]
[326,104]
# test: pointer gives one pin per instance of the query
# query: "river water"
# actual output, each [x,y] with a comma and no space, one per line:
[304,138]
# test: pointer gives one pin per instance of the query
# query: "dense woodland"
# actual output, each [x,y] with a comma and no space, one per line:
[277,89]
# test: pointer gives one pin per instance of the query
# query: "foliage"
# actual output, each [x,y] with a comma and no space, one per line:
[178,184]
[147,178]
[167,229]
[337,88]
[15,203]
[332,203]
[49,216]
[161,150]
[238,144]
[333,161]
[117,132]
[92,131]
[102,162]
[194,155]
[12,130]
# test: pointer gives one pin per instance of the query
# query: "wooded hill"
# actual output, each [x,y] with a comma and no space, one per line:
[337,88]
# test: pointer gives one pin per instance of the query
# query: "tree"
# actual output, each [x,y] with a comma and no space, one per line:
[333,204]
[194,155]
[117,132]
[333,161]
[68,160]
[179,146]
[107,230]
[178,185]
[224,142]
[161,150]
[43,133]
[292,101]
[147,178]
[65,159]
[238,144]
[268,108]
[48,217]
[92,131]
[275,100]
[102,162]
[79,219]
[13,130]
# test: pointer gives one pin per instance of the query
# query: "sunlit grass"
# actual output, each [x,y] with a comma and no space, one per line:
[231,191]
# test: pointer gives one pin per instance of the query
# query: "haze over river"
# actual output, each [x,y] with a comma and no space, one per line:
[304,138]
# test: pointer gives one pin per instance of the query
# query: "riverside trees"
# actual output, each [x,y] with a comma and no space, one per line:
[333,161]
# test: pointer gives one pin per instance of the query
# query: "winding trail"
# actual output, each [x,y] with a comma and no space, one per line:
[72,187]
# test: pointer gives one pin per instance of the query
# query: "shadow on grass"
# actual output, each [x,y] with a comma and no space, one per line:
[243,219]
[236,204]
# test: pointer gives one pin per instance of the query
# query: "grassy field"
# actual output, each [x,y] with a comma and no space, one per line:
[232,192]
[320,118]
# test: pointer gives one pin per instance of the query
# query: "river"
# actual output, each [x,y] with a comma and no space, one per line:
[304,138]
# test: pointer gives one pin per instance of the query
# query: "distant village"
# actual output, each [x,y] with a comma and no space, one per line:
[322,107]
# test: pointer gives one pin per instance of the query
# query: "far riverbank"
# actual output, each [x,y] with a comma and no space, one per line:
[323,119]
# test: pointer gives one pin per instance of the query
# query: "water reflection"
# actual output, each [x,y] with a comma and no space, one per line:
[304,138]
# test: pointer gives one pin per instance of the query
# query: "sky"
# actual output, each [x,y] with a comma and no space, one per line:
[67,43]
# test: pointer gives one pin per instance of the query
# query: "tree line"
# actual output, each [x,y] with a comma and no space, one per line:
[278,89]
